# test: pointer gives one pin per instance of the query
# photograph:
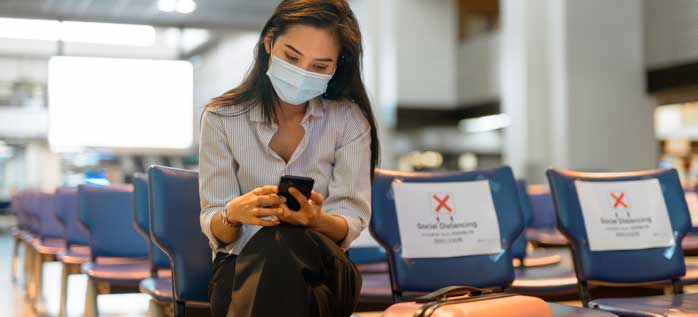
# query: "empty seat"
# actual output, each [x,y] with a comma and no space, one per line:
[106,213]
[657,197]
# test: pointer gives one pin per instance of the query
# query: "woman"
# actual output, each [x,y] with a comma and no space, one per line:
[302,110]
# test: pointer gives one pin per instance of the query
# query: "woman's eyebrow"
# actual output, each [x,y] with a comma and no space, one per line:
[301,54]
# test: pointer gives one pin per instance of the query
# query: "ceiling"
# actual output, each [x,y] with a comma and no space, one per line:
[210,14]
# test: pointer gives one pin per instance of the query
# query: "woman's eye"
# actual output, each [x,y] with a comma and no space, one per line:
[291,58]
[321,67]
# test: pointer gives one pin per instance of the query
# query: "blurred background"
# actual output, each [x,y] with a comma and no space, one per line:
[92,91]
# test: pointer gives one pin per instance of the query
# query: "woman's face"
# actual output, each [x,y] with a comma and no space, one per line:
[310,48]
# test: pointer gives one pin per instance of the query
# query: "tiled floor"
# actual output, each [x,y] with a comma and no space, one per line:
[13,302]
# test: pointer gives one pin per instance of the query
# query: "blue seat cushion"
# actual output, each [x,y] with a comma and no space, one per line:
[49,247]
[663,305]
[378,267]
[538,258]
[158,288]
[571,311]
[364,255]
[76,255]
[546,236]
[129,274]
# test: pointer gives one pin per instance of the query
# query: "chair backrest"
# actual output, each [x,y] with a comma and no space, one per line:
[367,255]
[141,220]
[175,228]
[620,266]
[428,274]
[518,249]
[19,202]
[30,206]
[67,211]
[542,207]
[45,211]
[106,212]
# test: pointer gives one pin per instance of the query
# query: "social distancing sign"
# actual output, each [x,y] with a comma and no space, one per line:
[450,219]
[627,215]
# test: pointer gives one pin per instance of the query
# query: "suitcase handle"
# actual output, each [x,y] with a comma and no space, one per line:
[443,294]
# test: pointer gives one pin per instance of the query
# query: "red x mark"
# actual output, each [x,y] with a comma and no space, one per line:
[442,203]
[619,200]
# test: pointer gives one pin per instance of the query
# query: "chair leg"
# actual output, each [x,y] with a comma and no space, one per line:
[26,270]
[65,273]
[180,309]
[91,309]
[38,299]
[15,259]
[31,274]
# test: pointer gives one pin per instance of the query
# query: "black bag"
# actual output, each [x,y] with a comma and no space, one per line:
[293,271]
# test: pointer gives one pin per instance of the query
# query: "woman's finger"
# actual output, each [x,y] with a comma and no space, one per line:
[272,199]
[316,198]
[264,212]
[302,200]
[265,190]
[287,215]
[264,222]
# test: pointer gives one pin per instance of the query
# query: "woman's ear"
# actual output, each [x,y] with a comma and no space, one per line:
[267,44]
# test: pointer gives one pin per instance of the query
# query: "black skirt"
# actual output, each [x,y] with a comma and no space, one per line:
[285,271]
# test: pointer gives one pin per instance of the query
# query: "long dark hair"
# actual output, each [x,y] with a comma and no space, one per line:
[335,15]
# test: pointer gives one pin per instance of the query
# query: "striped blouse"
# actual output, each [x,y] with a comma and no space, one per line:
[235,157]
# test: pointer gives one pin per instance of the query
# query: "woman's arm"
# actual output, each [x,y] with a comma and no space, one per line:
[217,181]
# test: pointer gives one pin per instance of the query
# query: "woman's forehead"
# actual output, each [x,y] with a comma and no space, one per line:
[312,42]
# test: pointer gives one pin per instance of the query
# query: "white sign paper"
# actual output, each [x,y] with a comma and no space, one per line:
[450,219]
[626,215]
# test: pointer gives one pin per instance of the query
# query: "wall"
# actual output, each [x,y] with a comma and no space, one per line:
[478,69]
[671,32]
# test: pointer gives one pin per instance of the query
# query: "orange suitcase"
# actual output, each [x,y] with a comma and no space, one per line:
[464,301]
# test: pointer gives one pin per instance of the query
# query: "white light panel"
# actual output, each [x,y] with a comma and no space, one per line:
[127,104]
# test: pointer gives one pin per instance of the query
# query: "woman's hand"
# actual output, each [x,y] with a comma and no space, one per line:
[248,208]
[309,213]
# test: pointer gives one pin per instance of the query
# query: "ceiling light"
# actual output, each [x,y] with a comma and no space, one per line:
[167,5]
[108,33]
[484,124]
[81,32]
[29,29]
[186,6]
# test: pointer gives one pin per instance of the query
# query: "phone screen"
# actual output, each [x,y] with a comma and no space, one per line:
[303,184]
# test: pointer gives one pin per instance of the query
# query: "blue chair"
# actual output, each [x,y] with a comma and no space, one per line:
[543,273]
[29,228]
[47,244]
[542,229]
[77,250]
[174,228]
[612,267]
[367,255]
[429,274]
[21,233]
[519,249]
[159,284]
[118,257]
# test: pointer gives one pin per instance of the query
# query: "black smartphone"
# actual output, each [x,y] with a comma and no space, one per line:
[303,184]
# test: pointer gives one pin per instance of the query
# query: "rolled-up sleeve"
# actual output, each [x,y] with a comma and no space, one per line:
[349,190]
[217,181]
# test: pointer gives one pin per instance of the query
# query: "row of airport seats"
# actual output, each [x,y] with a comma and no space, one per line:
[143,238]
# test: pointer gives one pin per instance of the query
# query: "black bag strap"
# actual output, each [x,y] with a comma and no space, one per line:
[443,294]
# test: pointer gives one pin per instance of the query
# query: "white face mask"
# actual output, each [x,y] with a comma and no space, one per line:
[295,85]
